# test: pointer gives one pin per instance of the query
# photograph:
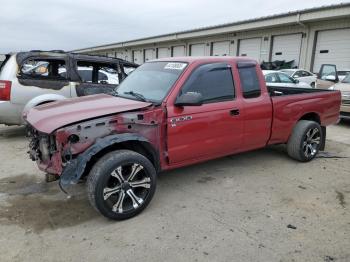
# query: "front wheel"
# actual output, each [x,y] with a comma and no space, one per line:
[305,140]
[121,184]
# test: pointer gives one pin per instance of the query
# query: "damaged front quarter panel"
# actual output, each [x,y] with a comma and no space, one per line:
[78,144]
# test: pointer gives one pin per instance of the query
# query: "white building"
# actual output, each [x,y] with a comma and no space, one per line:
[310,37]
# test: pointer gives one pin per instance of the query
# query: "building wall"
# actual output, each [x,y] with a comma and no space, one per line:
[308,30]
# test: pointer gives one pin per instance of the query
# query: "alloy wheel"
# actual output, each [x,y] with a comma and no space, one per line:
[127,188]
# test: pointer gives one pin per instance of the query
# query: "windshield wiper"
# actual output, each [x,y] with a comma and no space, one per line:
[137,95]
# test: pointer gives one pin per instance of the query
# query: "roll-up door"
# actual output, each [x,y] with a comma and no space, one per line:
[163,52]
[197,50]
[178,51]
[137,56]
[150,54]
[250,48]
[332,47]
[221,48]
[287,48]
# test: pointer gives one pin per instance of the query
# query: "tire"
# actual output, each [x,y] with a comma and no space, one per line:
[121,184]
[303,144]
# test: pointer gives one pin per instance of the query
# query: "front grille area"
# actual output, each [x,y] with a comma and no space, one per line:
[41,146]
[345,102]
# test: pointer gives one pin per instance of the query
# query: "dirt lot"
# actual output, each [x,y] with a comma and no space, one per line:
[257,206]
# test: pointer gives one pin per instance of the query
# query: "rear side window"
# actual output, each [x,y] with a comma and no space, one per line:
[50,69]
[249,81]
[93,72]
[271,78]
[305,73]
[213,81]
[285,79]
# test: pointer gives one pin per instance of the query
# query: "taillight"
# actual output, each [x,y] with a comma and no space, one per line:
[5,90]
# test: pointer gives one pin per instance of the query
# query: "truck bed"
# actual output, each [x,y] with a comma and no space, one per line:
[282,91]
[292,104]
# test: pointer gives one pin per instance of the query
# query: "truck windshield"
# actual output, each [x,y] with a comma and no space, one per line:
[151,81]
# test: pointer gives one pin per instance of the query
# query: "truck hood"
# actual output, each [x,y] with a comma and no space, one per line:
[49,117]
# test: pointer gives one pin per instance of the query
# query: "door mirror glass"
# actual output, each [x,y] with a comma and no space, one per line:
[189,99]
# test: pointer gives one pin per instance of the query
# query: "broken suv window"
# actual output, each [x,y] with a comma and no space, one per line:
[98,73]
[44,69]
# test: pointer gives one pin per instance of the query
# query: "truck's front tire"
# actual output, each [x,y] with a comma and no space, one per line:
[305,141]
[121,184]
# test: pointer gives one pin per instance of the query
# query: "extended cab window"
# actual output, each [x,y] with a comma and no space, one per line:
[213,81]
[249,81]
[44,69]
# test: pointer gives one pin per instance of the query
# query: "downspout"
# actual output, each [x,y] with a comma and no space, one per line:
[298,21]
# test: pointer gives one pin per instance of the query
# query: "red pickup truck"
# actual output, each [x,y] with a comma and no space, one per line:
[172,113]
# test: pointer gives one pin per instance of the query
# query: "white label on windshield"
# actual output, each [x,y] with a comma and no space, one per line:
[175,66]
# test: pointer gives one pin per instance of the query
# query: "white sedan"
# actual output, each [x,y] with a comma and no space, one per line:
[302,75]
[276,78]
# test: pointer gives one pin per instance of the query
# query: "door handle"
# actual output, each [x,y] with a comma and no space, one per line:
[234,112]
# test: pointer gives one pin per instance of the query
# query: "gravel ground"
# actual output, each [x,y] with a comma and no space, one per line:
[256,206]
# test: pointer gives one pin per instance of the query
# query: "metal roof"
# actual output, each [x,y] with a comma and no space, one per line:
[259,19]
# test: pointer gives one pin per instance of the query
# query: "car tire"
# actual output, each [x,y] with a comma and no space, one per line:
[305,140]
[121,184]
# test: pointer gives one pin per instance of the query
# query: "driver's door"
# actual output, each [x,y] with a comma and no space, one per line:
[212,129]
[327,76]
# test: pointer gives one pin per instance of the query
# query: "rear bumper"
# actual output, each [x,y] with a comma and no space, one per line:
[10,114]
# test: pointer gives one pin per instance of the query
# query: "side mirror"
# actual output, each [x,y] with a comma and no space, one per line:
[330,78]
[189,99]
[296,81]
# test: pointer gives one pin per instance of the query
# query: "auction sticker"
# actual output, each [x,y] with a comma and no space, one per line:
[175,66]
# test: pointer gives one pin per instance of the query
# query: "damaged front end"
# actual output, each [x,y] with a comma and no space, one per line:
[43,150]
[66,153]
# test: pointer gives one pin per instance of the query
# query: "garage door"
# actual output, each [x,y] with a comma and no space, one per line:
[332,47]
[221,48]
[163,52]
[250,48]
[119,55]
[150,54]
[137,56]
[197,50]
[287,47]
[178,51]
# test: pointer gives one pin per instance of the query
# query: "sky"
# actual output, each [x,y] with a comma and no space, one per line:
[74,24]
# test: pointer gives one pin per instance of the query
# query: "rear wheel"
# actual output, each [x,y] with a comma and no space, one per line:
[121,184]
[304,143]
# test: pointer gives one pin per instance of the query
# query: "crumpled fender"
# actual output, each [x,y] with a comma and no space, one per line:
[73,171]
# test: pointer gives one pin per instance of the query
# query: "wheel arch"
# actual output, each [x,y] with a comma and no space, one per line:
[311,116]
[80,166]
